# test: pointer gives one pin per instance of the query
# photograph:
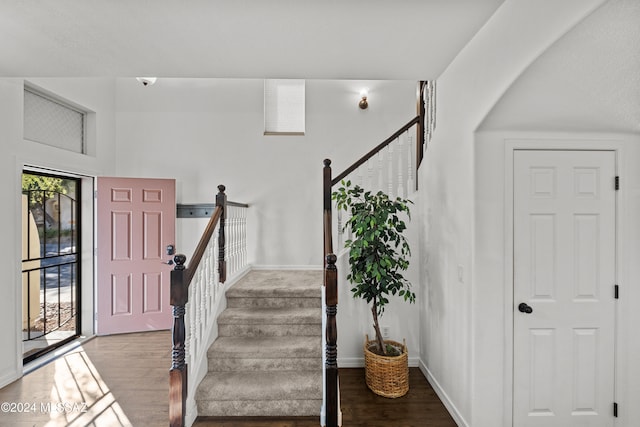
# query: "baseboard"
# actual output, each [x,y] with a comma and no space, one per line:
[287,267]
[8,378]
[233,278]
[453,411]
[351,362]
[358,362]
[191,412]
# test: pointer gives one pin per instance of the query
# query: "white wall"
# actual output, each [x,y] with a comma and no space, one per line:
[461,338]
[205,132]
[95,95]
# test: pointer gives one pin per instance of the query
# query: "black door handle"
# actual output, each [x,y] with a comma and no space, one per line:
[525,308]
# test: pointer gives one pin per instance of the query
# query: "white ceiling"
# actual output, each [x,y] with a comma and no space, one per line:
[589,80]
[330,39]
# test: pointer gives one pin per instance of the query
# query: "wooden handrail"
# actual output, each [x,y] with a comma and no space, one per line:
[202,244]
[373,152]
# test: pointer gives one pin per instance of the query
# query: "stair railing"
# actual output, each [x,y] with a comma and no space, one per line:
[392,166]
[196,295]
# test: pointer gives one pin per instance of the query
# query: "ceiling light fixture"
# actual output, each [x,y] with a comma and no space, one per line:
[146,81]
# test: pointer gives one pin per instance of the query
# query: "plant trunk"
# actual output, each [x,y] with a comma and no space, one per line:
[376,327]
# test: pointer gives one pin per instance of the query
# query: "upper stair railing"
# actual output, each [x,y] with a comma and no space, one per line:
[196,295]
[392,166]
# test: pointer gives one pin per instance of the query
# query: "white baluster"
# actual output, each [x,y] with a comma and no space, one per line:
[208,283]
[238,239]
[228,253]
[191,309]
[201,312]
[244,237]
[234,241]
[188,351]
[215,274]
[380,174]
[411,185]
[213,269]
[340,230]
[370,172]
[390,171]
[400,154]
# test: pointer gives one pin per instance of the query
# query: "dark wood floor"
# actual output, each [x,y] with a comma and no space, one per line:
[360,407]
[122,380]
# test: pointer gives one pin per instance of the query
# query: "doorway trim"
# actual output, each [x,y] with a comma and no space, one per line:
[551,143]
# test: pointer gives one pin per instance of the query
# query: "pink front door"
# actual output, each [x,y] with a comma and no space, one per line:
[136,223]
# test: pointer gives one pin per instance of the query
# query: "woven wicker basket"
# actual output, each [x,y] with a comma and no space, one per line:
[387,376]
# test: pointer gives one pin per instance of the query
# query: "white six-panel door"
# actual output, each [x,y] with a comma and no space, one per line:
[564,271]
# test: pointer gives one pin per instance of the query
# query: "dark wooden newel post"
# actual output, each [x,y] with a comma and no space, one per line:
[331,301]
[331,363]
[178,373]
[221,200]
[326,203]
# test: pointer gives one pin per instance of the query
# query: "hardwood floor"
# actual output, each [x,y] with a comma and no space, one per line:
[122,380]
[114,381]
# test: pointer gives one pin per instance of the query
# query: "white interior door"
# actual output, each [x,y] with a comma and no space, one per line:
[564,274]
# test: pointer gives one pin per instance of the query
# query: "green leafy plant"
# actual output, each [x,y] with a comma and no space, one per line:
[378,251]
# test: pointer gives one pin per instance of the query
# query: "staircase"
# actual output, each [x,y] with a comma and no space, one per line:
[267,359]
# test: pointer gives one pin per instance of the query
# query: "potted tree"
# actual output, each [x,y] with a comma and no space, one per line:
[378,254]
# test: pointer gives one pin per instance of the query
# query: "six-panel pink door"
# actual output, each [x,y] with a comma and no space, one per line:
[136,223]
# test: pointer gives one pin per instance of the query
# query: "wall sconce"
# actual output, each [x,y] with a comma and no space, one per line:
[146,81]
[364,104]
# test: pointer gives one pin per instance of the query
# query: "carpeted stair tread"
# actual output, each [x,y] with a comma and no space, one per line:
[272,283]
[266,347]
[270,316]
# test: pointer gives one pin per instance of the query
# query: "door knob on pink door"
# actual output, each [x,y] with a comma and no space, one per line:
[525,308]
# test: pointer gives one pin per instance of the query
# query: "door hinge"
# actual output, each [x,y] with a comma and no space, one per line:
[615,409]
[617,183]
[616,291]
[95,194]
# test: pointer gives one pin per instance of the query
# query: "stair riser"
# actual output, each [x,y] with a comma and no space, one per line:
[274,303]
[268,408]
[251,330]
[247,365]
